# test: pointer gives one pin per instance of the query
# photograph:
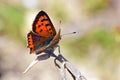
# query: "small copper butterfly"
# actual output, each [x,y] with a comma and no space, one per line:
[43,35]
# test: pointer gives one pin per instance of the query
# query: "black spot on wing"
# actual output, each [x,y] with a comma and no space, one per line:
[44,20]
[42,13]
[50,29]
[41,30]
[47,25]
[51,33]
[39,25]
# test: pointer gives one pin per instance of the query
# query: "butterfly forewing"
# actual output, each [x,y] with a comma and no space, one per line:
[43,26]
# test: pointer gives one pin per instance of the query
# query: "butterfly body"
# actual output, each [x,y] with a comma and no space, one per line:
[43,35]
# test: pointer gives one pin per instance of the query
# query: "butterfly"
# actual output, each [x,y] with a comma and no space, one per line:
[43,36]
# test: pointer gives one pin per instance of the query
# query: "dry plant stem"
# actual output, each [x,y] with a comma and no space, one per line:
[63,72]
[75,73]
[64,64]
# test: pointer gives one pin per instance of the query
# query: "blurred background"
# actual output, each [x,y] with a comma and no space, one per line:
[94,49]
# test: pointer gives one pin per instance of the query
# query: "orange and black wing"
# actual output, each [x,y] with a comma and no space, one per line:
[35,41]
[42,32]
[43,26]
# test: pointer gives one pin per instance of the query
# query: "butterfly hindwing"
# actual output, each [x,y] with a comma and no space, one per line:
[43,26]
[35,41]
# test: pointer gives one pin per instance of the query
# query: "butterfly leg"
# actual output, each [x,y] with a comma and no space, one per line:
[59,49]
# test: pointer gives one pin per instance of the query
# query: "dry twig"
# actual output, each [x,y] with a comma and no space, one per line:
[63,65]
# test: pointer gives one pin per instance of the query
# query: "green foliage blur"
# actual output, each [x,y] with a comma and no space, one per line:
[11,20]
[97,38]
[60,13]
[92,7]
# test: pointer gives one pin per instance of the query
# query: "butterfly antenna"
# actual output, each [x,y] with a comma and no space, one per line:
[59,25]
[68,33]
